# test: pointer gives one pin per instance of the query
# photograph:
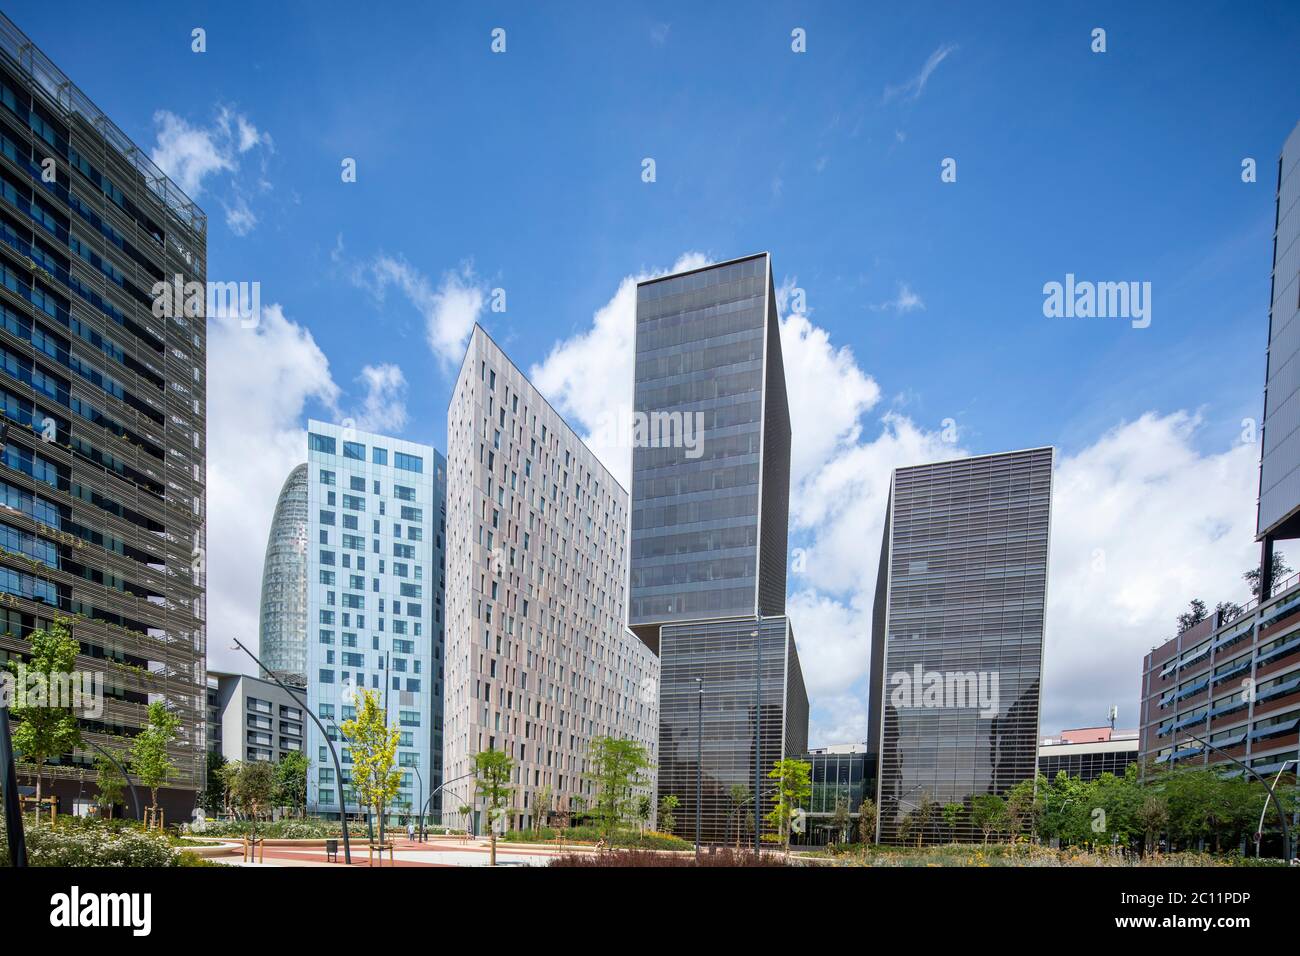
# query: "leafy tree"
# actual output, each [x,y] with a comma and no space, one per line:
[291,781]
[376,778]
[922,814]
[952,813]
[542,806]
[840,819]
[1152,817]
[867,821]
[214,791]
[1024,809]
[254,788]
[667,818]
[229,772]
[618,766]
[988,812]
[46,727]
[1281,571]
[109,784]
[1195,614]
[149,758]
[793,786]
[465,810]
[492,772]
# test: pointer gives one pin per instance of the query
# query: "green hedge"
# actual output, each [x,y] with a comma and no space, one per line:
[623,838]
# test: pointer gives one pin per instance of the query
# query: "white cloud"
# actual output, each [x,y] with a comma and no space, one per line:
[1171,522]
[193,155]
[384,407]
[449,311]
[914,87]
[905,301]
[260,383]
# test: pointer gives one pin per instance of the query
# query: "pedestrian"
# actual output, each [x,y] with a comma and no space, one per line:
[410,830]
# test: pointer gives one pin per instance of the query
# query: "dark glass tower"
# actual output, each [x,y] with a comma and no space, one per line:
[1279,466]
[710,500]
[103,472]
[957,642]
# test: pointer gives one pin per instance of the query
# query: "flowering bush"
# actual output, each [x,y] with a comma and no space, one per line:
[82,847]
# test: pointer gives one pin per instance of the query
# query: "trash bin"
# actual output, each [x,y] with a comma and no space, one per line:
[332,851]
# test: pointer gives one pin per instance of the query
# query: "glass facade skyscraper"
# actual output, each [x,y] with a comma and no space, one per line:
[282,629]
[958,639]
[710,501]
[103,471]
[1279,465]
[374,519]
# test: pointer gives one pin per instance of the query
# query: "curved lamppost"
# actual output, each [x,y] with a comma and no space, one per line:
[1272,794]
[338,769]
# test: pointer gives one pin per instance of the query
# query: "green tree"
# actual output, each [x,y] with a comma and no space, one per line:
[253,788]
[542,806]
[1196,613]
[109,786]
[1281,571]
[1024,809]
[867,821]
[376,779]
[149,758]
[291,781]
[1152,816]
[214,790]
[738,795]
[988,812]
[667,818]
[492,774]
[922,814]
[840,820]
[45,727]
[793,786]
[952,813]
[229,772]
[618,766]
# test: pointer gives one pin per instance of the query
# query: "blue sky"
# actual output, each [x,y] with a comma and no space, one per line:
[522,171]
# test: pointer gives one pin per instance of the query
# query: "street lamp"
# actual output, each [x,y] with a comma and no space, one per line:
[338,769]
[1264,809]
[1272,795]
[699,765]
[758,737]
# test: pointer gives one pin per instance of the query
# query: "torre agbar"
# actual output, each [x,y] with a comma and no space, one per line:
[538,659]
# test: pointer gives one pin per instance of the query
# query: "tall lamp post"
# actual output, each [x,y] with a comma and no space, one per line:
[1272,794]
[699,764]
[758,737]
[338,769]
[1264,809]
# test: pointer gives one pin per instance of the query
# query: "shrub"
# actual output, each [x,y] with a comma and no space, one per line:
[89,846]
[306,829]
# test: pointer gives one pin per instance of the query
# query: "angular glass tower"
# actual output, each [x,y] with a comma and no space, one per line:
[1279,466]
[282,631]
[104,469]
[957,640]
[710,501]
